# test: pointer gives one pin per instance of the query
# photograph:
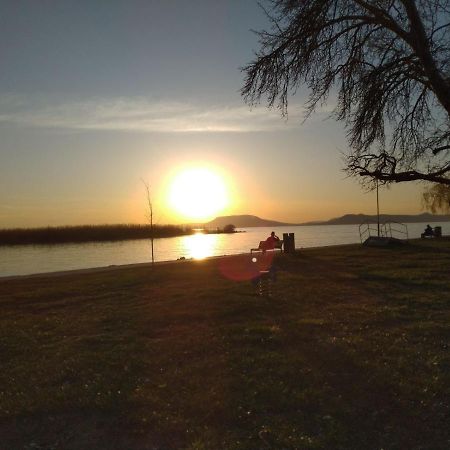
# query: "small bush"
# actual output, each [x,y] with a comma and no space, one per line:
[230,228]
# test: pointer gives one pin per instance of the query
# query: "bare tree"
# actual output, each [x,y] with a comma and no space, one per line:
[388,61]
[149,215]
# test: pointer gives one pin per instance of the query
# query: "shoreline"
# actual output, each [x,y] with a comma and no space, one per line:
[89,270]
[111,268]
[90,234]
[114,267]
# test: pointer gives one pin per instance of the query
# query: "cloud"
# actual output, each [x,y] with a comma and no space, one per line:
[142,115]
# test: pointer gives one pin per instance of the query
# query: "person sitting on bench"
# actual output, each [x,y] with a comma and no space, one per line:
[271,241]
[428,231]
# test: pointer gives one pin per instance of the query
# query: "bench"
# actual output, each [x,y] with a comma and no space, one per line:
[435,233]
[263,246]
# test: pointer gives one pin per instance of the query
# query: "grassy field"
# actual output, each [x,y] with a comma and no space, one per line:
[350,352]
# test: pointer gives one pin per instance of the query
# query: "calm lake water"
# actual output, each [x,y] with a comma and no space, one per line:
[29,259]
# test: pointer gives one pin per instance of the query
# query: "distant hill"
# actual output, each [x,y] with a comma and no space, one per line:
[350,219]
[244,221]
[247,221]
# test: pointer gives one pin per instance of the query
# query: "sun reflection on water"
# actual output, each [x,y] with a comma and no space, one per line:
[200,245]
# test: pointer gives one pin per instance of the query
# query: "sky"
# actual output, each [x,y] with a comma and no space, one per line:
[97,96]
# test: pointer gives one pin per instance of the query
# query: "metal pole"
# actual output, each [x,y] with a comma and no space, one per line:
[378,212]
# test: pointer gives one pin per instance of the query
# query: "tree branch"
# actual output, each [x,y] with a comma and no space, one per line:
[383,168]
[421,45]
[440,149]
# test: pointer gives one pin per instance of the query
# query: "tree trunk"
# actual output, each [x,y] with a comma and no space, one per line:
[420,43]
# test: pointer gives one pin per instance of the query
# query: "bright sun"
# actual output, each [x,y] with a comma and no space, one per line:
[198,193]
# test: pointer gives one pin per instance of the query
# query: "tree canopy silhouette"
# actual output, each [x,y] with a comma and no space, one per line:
[388,61]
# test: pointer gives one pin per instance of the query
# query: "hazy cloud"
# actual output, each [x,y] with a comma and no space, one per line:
[142,115]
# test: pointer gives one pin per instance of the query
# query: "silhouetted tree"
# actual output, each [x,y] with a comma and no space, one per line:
[230,228]
[150,216]
[389,63]
[437,198]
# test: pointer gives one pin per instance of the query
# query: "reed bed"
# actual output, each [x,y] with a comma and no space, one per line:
[88,233]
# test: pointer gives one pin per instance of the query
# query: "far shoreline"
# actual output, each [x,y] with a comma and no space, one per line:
[85,234]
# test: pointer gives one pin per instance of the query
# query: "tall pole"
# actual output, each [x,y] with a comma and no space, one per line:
[378,211]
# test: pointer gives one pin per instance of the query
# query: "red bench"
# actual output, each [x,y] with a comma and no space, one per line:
[264,246]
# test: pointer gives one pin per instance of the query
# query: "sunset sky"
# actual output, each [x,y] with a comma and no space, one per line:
[96,96]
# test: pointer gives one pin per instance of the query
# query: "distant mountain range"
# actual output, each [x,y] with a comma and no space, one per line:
[246,221]
[351,219]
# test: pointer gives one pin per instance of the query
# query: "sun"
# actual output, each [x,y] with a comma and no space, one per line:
[198,193]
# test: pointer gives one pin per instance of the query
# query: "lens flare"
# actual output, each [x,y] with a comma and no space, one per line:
[244,267]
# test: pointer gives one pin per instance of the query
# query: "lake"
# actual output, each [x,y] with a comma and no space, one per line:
[29,259]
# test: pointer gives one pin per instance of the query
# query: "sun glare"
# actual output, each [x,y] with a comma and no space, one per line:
[198,194]
[199,245]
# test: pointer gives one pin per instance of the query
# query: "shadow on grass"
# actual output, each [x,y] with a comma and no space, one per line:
[317,385]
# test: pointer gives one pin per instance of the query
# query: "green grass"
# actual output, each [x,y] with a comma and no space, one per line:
[350,352]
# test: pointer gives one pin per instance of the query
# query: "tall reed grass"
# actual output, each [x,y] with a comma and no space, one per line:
[88,233]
